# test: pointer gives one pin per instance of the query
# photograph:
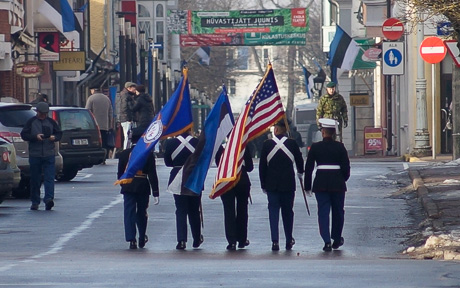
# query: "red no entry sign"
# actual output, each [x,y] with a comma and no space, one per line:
[433,50]
[392,29]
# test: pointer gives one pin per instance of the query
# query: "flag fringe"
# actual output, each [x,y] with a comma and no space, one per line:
[123,181]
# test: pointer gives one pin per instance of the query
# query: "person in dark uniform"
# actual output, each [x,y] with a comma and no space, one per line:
[332,171]
[277,177]
[177,150]
[136,194]
[236,220]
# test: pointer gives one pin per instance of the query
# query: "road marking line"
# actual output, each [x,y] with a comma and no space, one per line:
[60,243]
[406,166]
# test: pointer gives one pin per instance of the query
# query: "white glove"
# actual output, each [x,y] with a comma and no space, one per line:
[308,192]
[156,200]
[265,191]
[300,176]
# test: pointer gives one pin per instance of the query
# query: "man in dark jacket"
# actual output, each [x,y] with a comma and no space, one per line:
[332,171]
[277,177]
[143,107]
[236,220]
[41,132]
[124,106]
[177,151]
[137,193]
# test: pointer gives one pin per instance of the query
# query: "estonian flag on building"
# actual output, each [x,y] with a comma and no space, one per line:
[60,14]
[205,55]
[343,50]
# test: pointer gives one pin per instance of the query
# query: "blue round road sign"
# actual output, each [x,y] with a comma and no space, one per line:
[392,57]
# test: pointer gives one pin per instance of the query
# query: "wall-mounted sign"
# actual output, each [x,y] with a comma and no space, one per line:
[48,46]
[70,61]
[30,69]
[359,99]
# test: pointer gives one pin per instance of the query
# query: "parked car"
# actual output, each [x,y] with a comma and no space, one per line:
[10,174]
[13,117]
[81,144]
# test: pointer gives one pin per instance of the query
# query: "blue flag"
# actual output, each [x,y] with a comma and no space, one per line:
[309,84]
[174,119]
[216,128]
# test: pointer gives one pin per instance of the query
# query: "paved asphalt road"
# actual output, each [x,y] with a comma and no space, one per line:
[80,243]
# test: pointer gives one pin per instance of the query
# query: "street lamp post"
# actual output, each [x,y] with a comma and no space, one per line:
[142,56]
[134,54]
[121,41]
[129,52]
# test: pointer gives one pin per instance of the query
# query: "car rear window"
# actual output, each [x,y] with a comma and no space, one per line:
[16,118]
[76,120]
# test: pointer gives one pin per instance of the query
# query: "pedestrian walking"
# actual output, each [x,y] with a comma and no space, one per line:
[332,106]
[177,150]
[143,107]
[277,178]
[235,202]
[136,194]
[124,106]
[42,133]
[329,185]
[101,107]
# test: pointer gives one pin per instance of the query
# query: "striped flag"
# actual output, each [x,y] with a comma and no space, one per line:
[60,14]
[216,128]
[174,118]
[261,111]
[309,84]
[343,50]
[205,55]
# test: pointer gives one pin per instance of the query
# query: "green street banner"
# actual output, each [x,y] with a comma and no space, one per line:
[242,39]
[282,21]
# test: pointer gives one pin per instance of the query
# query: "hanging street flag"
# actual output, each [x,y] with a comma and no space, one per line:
[261,111]
[343,50]
[60,14]
[205,55]
[217,126]
[173,119]
[309,84]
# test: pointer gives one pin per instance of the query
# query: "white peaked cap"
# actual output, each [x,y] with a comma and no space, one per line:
[328,123]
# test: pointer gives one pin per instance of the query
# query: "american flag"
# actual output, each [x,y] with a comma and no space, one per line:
[262,110]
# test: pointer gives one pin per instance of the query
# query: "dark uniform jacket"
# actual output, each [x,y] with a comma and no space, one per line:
[143,180]
[47,127]
[179,161]
[247,166]
[279,174]
[327,152]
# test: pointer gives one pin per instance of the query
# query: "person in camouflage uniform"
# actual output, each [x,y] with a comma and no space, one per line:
[333,106]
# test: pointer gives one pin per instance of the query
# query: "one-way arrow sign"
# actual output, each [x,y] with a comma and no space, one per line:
[453,51]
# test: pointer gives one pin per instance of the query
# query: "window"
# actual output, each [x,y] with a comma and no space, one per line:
[231,87]
[159,11]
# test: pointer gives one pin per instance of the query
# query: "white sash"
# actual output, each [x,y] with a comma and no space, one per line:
[185,143]
[280,145]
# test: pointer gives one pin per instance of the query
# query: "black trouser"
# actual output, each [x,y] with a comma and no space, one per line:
[135,214]
[188,206]
[236,220]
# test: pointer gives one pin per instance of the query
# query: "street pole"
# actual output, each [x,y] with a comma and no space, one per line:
[142,56]
[422,136]
[129,75]
[122,55]
[134,53]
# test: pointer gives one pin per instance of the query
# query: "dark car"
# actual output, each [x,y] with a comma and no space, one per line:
[10,174]
[13,117]
[81,144]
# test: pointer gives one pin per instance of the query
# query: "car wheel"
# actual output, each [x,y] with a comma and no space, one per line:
[67,174]
[23,190]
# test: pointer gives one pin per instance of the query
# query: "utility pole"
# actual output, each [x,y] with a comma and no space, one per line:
[422,136]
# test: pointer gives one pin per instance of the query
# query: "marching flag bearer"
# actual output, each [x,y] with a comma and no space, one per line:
[332,171]
[177,151]
[278,157]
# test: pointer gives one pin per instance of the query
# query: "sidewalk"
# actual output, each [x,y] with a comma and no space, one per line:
[438,191]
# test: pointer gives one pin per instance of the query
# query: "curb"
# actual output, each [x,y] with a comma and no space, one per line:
[428,204]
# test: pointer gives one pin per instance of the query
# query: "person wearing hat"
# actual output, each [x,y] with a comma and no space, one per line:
[329,185]
[278,157]
[177,151]
[41,132]
[124,107]
[101,107]
[332,105]
[137,193]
